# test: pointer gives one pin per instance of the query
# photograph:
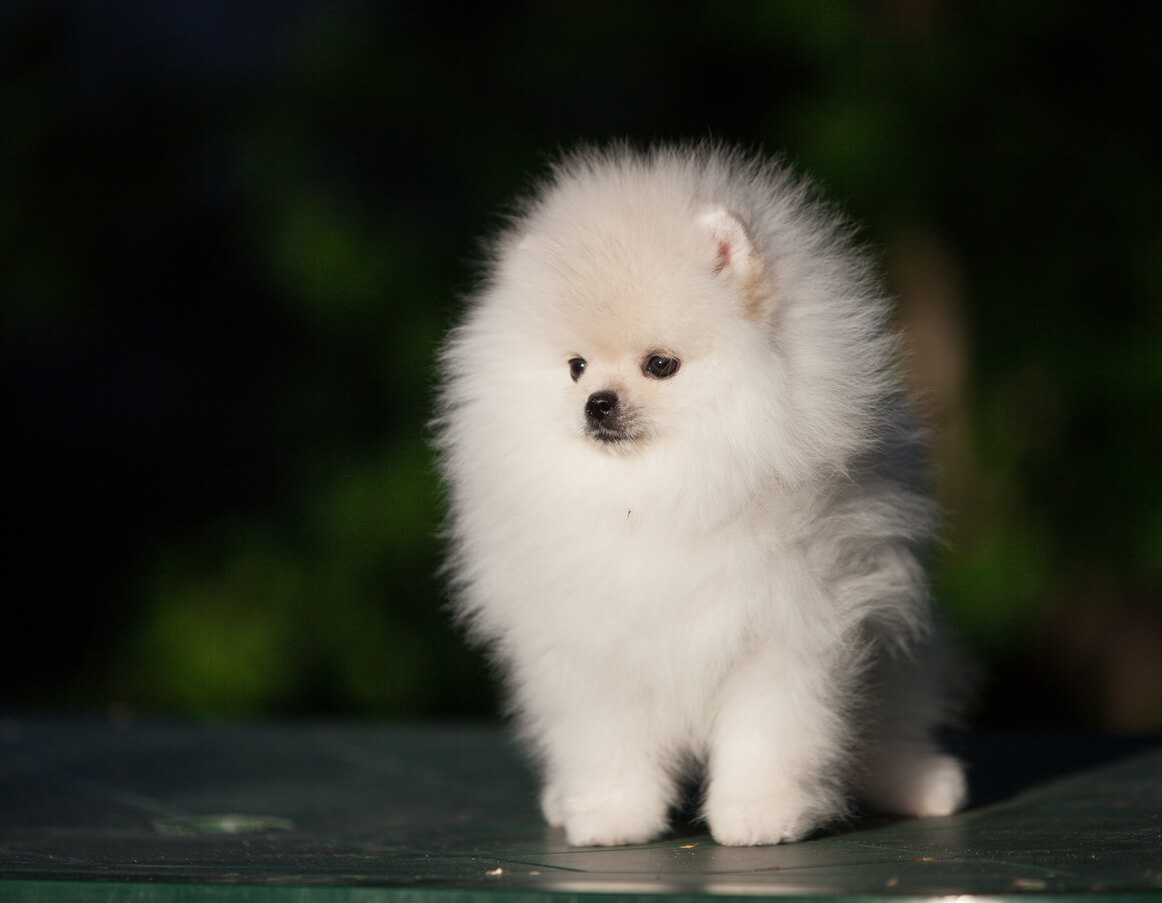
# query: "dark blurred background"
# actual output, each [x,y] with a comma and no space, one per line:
[232,233]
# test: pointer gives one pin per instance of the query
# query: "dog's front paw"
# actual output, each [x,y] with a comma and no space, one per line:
[610,828]
[603,820]
[762,818]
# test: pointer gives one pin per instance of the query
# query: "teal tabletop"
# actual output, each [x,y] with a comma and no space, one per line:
[102,810]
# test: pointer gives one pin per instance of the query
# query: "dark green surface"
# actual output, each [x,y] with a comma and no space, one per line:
[96,811]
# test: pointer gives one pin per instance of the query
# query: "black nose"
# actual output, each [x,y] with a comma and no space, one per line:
[601,405]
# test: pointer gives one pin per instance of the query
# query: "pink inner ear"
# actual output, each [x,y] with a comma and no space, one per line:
[723,258]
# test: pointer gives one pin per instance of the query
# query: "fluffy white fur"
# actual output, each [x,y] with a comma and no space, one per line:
[723,576]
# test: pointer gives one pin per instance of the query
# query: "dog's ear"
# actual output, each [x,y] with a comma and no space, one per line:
[735,257]
[733,250]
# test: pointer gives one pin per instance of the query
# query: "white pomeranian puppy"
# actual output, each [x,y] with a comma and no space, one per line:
[686,504]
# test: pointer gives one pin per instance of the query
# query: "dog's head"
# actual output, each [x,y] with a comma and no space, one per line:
[638,318]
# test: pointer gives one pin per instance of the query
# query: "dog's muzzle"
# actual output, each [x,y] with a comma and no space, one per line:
[606,417]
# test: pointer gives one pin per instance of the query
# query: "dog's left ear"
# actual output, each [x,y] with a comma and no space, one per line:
[735,258]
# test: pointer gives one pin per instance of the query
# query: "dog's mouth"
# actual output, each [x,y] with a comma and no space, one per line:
[613,437]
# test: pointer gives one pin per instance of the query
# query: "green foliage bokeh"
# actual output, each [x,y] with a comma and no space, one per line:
[349,178]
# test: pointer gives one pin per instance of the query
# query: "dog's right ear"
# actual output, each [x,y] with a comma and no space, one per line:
[735,258]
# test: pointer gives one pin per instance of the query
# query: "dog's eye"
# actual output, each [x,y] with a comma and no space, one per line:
[576,367]
[660,367]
